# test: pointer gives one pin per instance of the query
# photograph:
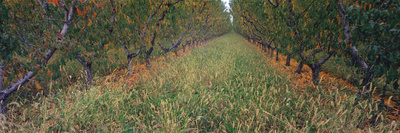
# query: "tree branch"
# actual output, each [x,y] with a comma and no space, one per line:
[272,4]
[23,39]
[69,14]
[43,5]
[125,48]
[326,58]
[6,92]
[113,14]
[314,52]
[80,59]
[135,54]
[162,47]
[48,55]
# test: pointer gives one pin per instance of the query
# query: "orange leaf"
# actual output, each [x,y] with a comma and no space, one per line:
[94,14]
[90,22]
[38,85]
[48,73]
[59,35]
[79,12]
[45,43]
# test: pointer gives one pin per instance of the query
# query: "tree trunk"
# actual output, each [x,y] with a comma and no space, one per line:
[264,47]
[299,67]
[176,50]
[288,60]
[269,50]
[315,73]
[1,76]
[88,70]
[277,54]
[166,55]
[366,82]
[272,53]
[316,67]
[353,50]
[129,66]
[89,78]
[130,56]
[148,53]
[192,44]
[183,47]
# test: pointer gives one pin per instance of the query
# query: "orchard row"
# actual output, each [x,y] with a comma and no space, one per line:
[363,33]
[85,30]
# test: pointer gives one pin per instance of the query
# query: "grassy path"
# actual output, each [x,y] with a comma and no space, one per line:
[220,86]
[223,86]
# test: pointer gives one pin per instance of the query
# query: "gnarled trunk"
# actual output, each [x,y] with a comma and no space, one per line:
[88,71]
[192,44]
[129,65]
[315,73]
[264,47]
[3,103]
[288,60]
[130,56]
[272,53]
[89,77]
[277,54]
[353,50]
[1,76]
[148,53]
[299,67]
[166,55]
[176,51]
[317,66]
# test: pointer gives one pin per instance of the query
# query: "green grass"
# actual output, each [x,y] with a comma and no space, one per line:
[224,86]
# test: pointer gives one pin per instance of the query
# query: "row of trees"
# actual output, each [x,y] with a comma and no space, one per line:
[84,30]
[365,33]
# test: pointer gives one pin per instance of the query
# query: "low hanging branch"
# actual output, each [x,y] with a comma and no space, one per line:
[5,93]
